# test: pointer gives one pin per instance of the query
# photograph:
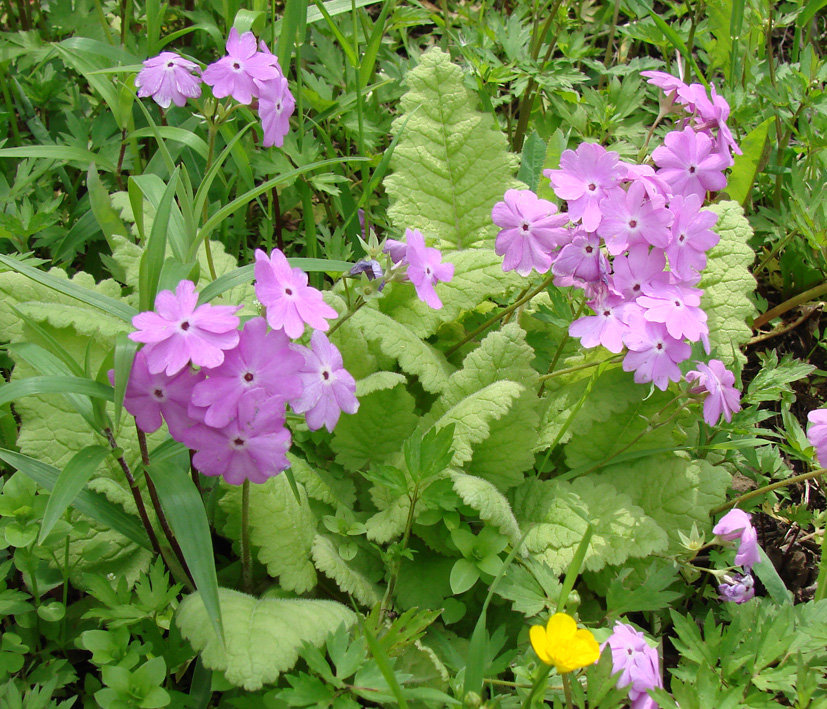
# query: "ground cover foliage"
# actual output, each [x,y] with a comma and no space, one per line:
[482,482]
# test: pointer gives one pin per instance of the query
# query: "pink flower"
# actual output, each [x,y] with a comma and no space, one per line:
[236,74]
[168,78]
[150,396]
[637,664]
[275,106]
[737,588]
[290,302]
[691,236]
[253,446]
[687,161]
[425,268]
[817,434]
[736,524]
[328,388]
[606,327]
[581,259]
[653,355]
[262,360]
[629,218]
[677,307]
[531,231]
[638,268]
[180,332]
[722,396]
[586,176]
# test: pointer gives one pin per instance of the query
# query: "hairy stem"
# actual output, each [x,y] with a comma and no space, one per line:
[787,305]
[386,601]
[768,488]
[210,155]
[246,560]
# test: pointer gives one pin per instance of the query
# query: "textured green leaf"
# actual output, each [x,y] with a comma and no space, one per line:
[262,638]
[742,175]
[396,340]
[281,530]
[350,576]
[375,432]
[492,505]
[474,414]
[378,381]
[727,283]
[673,491]
[591,445]
[561,512]
[452,164]
[389,522]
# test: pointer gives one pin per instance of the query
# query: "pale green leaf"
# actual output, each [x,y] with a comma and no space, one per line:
[452,163]
[727,283]
[350,576]
[389,522]
[262,638]
[672,490]
[492,505]
[561,513]
[396,340]
[322,485]
[378,381]
[281,530]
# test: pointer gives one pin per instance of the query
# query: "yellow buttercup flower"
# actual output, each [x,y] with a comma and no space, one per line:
[561,644]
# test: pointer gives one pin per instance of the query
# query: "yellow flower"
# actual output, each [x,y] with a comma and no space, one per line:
[561,644]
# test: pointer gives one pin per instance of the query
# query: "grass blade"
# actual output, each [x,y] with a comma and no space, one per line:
[54,385]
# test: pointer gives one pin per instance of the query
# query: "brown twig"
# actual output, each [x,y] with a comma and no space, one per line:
[788,305]
[785,328]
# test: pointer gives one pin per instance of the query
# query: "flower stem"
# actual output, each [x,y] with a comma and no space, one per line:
[210,155]
[588,365]
[246,561]
[387,600]
[349,314]
[787,305]
[821,581]
[567,691]
[769,488]
[488,323]
[540,682]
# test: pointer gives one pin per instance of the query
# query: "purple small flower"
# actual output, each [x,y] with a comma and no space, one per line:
[606,327]
[262,360]
[677,306]
[150,396]
[717,381]
[687,161]
[581,259]
[290,302]
[328,388]
[653,355]
[736,524]
[641,266]
[275,106]
[692,236]
[637,664]
[236,74]
[168,78]
[180,332]
[586,176]
[817,434]
[737,588]
[372,268]
[253,446]
[530,231]
[629,218]
[425,268]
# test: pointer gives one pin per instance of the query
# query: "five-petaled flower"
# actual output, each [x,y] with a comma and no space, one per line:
[562,644]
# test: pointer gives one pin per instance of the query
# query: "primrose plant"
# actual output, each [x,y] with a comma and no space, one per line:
[452,425]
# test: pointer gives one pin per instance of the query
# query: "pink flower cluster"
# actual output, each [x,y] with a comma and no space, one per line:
[419,264]
[248,71]
[223,392]
[635,240]
[736,525]
[637,662]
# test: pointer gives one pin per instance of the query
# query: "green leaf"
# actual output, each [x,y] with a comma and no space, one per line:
[263,637]
[745,168]
[282,530]
[464,575]
[179,135]
[185,511]
[727,284]
[59,152]
[766,573]
[673,491]
[152,259]
[97,300]
[102,208]
[348,575]
[532,161]
[561,512]
[489,502]
[53,385]
[396,340]
[452,164]
[89,503]
[71,481]
[574,568]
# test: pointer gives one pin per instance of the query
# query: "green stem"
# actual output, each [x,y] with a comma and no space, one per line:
[4,87]
[210,155]
[349,314]
[769,488]
[787,305]
[102,19]
[696,18]
[246,561]
[567,685]
[539,685]
[821,581]
[488,323]
[577,368]
[607,57]
[386,601]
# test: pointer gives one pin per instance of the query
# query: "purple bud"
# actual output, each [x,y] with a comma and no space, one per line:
[372,268]
[737,588]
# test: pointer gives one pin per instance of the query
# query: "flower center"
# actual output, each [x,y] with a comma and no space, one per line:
[185,326]
[692,169]
[633,223]
[592,187]
[607,313]
[158,394]
[636,287]
[325,375]
[288,291]
[236,66]
[659,346]
[589,249]
[682,237]
[170,65]
[248,377]
[678,304]
[238,442]
[524,226]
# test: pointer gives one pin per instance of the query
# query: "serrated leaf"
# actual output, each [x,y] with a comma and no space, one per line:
[377,382]
[452,164]
[727,283]
[347,574]
[322,485]
[282,530]
[414,355]
[375,432]
[673,491]
[561,513]
[492,505]
[262,638]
